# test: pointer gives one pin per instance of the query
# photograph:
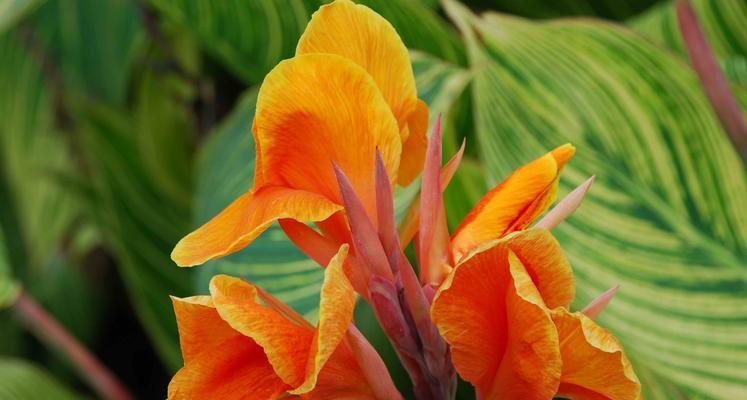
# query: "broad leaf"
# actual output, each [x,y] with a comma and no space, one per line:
[723,22]
[140,198]
[11,11]
[91,43]
[613,9]
[251,37]
[666,217]
[20,380]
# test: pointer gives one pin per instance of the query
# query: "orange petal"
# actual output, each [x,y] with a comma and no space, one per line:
[413,148]
[285,344]
[501,336]
[200,327]
[366,38]
[531,367]
[244,219]
[546,263]
[341,378]
[335,315]
[318,108]
[236,369]
[594,365]
[372,366]
[514,203]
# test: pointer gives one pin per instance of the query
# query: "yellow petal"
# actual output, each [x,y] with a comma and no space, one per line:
[514,203]
[244,219]
[546,263]
[502,338]
[594,364]
[366,38]
[413,148]
[316,109]
[235,370]
[335,315]
[285,344]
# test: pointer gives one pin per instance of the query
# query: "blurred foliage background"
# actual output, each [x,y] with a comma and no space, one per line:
[125,123]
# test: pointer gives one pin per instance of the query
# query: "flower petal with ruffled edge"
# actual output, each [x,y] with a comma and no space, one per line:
[220,363]
[501,336]
[594,364]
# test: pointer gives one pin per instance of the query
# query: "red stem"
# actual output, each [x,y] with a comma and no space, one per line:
[48,330]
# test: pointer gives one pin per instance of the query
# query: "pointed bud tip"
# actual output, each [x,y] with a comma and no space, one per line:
[600,303]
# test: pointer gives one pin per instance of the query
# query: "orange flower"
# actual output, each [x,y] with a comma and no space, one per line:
[234,347]
[493,311]
[514,203]
[504,308]
[349,91]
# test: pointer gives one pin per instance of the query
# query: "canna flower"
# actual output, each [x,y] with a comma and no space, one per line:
[504,308]
[510,206]
[347,93]
[234,347]
[335,127]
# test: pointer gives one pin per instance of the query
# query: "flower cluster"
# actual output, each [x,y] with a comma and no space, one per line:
[335,128]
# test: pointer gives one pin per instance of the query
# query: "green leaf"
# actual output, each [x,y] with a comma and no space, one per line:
[666,217]
[250,38]
[11,11]
[8,285]
[20,380]
[140,197]
[735,69]
[91,42]
[722,20]
[613,9]
[37,210]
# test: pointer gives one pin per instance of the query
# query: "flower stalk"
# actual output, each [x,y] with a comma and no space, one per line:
[49,331]
[399,302]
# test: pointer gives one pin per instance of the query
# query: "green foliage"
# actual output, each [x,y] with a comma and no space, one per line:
[250,38]
[98,68]
[666,216]
[614,9]
[140,216]
[722,21]
[13,10]
[20,380]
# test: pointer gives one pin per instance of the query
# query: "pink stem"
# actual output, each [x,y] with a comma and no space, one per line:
[48,330]
[714,83]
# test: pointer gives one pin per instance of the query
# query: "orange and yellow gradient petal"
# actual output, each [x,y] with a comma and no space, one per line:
[594,364]
[245,219]
[359,34]
[234,346]
[514,204]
